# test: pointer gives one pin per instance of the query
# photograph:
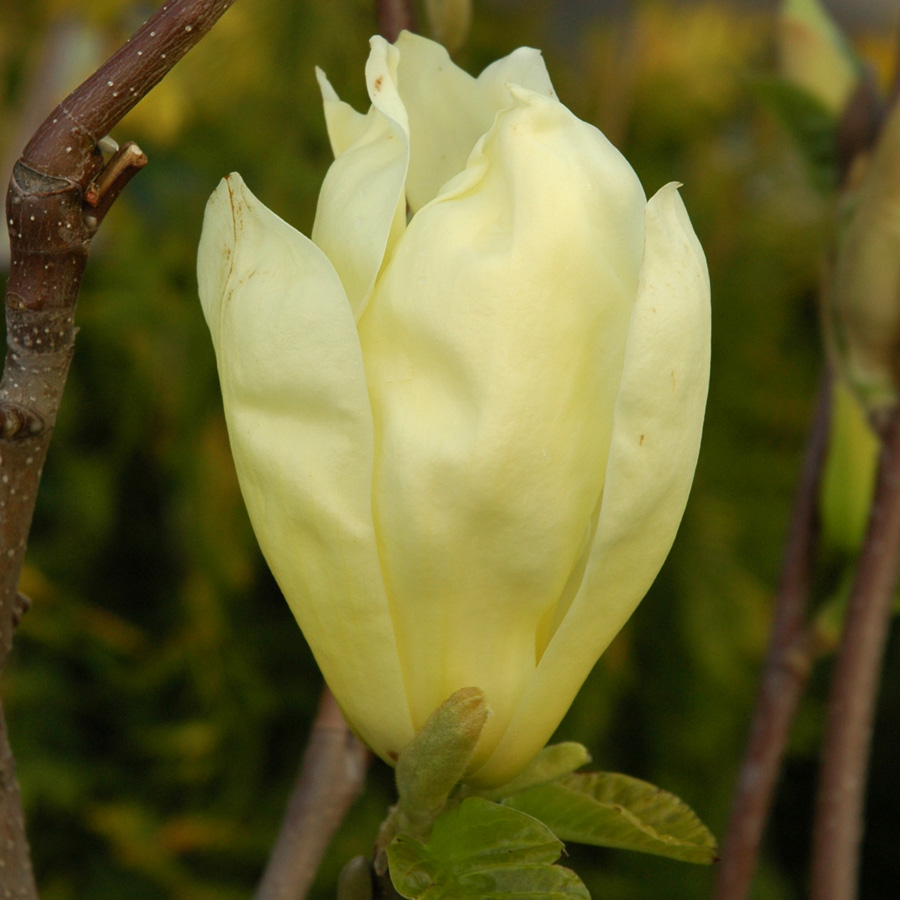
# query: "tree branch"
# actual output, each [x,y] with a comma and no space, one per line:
[331,778]
[17,875]
[785,674]
[838,826]
[51,227]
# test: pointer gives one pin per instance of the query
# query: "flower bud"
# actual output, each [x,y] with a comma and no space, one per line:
[465,416]
[848,480]
[862,299]
[814,55]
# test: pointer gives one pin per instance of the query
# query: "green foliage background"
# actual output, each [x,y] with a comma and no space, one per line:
[160,693]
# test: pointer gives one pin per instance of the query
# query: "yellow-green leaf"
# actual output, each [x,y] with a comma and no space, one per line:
[611,810]
[483,851]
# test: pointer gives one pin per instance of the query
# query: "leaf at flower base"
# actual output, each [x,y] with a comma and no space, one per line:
[551,763]
[611,810]
[483,851]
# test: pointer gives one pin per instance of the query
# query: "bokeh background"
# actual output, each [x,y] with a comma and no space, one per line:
[160,694]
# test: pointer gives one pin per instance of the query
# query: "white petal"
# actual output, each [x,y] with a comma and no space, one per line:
[362,205]
[656,439]
[300,426]
[493,348]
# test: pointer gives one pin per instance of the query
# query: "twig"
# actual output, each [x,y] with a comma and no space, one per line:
[331,778]
[838,826]
[785,675]
[50,232]
[394,16]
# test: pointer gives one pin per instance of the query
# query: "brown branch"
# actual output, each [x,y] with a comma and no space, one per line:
[43,86]
[331,778]
[50,230]
[786,672]
[838,826]
[49,236]
[393,17]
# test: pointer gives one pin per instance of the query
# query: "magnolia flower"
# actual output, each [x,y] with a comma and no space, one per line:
[465,416]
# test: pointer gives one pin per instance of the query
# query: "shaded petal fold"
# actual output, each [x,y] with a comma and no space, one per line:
[448,113]
[449,110]
[362,204]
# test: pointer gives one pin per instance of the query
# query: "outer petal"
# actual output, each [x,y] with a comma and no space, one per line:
[493,348]
[362,204]
[301,433]
[656,439]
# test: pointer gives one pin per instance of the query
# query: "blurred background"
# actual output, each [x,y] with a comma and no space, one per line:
[160,694]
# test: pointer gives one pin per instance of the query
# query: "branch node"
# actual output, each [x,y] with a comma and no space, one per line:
[21,605]
[18,423]
[103,190]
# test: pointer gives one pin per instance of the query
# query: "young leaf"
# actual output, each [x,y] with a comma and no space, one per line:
[611,810]
[483,851]
[432,764]
[551,763]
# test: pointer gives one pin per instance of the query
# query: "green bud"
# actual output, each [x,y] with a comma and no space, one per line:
[814,54]
[849,477]
[437,758]
[431,766]
[862,301]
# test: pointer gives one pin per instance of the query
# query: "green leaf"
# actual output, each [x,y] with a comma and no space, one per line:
[481,851]
[611,810]
[812,125]
[551,763]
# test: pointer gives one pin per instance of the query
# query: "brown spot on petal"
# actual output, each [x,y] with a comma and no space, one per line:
[377,84]
[641,441]
[393,755]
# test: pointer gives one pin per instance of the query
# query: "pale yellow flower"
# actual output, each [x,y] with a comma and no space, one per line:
[465,415]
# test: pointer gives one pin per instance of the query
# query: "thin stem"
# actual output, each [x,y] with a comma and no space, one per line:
[785,674]
[393,17]
[838,826]
[331,778]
